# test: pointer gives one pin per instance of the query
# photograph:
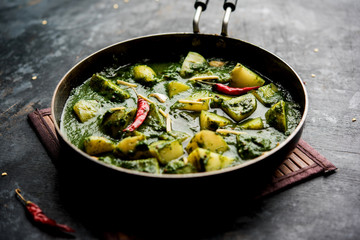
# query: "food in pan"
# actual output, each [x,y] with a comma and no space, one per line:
[186,116]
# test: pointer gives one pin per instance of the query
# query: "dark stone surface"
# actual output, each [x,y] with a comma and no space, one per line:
[322,208]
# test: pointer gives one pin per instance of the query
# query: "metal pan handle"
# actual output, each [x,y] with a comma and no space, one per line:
[200,6]
[229,6]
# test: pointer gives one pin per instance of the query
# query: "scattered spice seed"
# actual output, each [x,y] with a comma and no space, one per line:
[39,217]
[116,6]
[4,174]
[126,1]
[44,22]
[313,75]
[34,77]
[316,49]
[353,120]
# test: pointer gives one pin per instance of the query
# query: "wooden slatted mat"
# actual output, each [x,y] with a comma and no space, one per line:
[304,163]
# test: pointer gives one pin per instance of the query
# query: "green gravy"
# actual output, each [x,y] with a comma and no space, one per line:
[185,121]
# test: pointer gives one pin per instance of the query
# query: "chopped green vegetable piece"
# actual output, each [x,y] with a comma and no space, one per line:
[108,89]
[206,160]
[86,109]
[132,148]
[253,124]
[241,77]
[212,121]
[144,74]
[276,116]
[176,87]
[193,63]
[241,107]
[165,151]
[268,94]
[94,145]
[209,140]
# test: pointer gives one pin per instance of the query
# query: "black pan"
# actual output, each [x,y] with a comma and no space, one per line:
[169,46]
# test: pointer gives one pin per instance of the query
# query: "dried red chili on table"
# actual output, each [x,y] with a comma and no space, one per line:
[39,217]
[141,113]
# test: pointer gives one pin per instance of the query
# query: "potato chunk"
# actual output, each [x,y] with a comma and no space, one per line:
[165,151]
[276,116]
[253,124]
[176,87]
[241,77]
[209,140]
[192,64]
[241,107]
[132,148]
[196,102]
[206,160]
[212,121]
[268,94]
[86,109]
[94,145]
[144,74]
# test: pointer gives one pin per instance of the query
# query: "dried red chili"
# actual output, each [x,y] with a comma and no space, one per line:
[39,217]
[229,90]
[141,113]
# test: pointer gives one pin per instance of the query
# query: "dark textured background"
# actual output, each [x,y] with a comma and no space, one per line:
[322,208]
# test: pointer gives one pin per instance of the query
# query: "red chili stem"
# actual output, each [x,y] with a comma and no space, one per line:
[141,114]
[38,215]
[231,90]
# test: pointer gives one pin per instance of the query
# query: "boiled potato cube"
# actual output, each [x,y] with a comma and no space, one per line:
[94,145]
[253,124]
[107,88]
[212,121]
[276,116]
[194,102]
[132,148]
[192,64]
[241,77]
[268,94]
[86,109]
[241,107]
[176,87]
[209,140]
[144,74]
[206,160]
[165,150]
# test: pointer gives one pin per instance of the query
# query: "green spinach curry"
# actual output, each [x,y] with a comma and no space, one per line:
[193,115]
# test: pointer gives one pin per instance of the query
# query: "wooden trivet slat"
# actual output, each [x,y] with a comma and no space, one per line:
[304,163]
